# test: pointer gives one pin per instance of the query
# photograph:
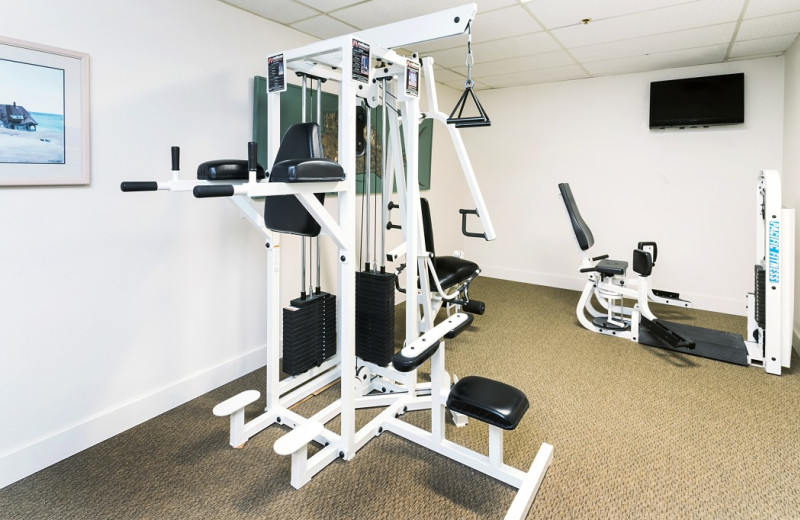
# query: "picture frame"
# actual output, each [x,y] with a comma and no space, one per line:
[44,115]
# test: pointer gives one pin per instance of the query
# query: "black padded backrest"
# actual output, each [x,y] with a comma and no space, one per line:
[642,262]
[284,213]
[301,141]
[582,232]
[427,226]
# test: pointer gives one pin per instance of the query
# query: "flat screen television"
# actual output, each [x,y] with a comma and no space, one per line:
[704,101]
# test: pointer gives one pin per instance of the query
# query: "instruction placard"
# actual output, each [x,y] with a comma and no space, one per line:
[276,74]
[412,78]
[360,61]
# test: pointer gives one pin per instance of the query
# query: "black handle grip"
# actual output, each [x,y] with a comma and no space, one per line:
[464,213]
[252,156]
[392,205]
[222,190]
[176,158]
[139,186]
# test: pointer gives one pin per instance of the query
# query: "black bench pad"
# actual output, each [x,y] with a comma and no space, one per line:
[612,267]
[489,401]
[227,170]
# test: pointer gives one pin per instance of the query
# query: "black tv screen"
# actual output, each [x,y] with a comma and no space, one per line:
[705,101]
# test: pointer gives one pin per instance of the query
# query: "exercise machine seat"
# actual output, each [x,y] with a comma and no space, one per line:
[284,213]
[489,401]
[610,267]
[451,270]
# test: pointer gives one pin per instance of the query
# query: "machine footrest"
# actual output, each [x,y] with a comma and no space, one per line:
[602,322]
[658,329]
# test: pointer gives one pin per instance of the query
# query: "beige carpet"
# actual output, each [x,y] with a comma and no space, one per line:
[638,433]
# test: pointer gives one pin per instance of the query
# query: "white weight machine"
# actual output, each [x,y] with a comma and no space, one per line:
[770,307]
[351,62]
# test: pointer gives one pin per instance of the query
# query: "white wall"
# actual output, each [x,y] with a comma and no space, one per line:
[790,178]
[692,191]
[116,307]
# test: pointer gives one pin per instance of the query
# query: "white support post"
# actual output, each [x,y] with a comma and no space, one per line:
[495,446]
[409,108]
[345,301]
[273,321]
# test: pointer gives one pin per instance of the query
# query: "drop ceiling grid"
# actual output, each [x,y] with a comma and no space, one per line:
[543,40]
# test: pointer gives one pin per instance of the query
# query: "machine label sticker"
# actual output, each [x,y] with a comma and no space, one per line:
[774,241]
[360,61]
[276,75]
[412,78]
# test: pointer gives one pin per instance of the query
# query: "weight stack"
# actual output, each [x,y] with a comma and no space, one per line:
[309,332]
[375,317]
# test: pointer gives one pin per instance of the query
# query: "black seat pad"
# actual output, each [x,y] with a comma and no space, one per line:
[452,270]
[612,267]
[489,401]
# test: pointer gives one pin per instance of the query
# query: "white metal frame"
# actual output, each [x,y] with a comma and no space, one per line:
[771,346]
[399,392]
[362,384]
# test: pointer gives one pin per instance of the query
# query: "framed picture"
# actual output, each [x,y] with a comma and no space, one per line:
[44,115]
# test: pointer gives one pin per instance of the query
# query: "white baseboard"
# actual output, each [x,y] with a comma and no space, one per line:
[49,449]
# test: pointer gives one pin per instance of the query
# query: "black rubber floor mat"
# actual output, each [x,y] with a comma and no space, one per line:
[712,344]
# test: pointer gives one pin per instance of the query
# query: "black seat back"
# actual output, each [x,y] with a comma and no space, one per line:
[427,226]
[582,232]
[284,213]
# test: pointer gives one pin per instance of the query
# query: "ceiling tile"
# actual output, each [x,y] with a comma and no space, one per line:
[323,27]
[283,11]
[459,85]
[664,60]
[509,21]
[545,60]
[763,46]
[769,7]
[558,13]
[700,37]
[327,6]
[443,75]
[526,77]
[674,18]
[775,25]
[535,43]
[449,57]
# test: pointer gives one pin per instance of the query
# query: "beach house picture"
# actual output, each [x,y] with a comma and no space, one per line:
[31,113]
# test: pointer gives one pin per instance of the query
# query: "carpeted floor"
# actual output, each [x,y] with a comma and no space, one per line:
[638,433]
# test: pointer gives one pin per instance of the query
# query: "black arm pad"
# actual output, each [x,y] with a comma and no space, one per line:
[223,190]
[139,186]
[306,170]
